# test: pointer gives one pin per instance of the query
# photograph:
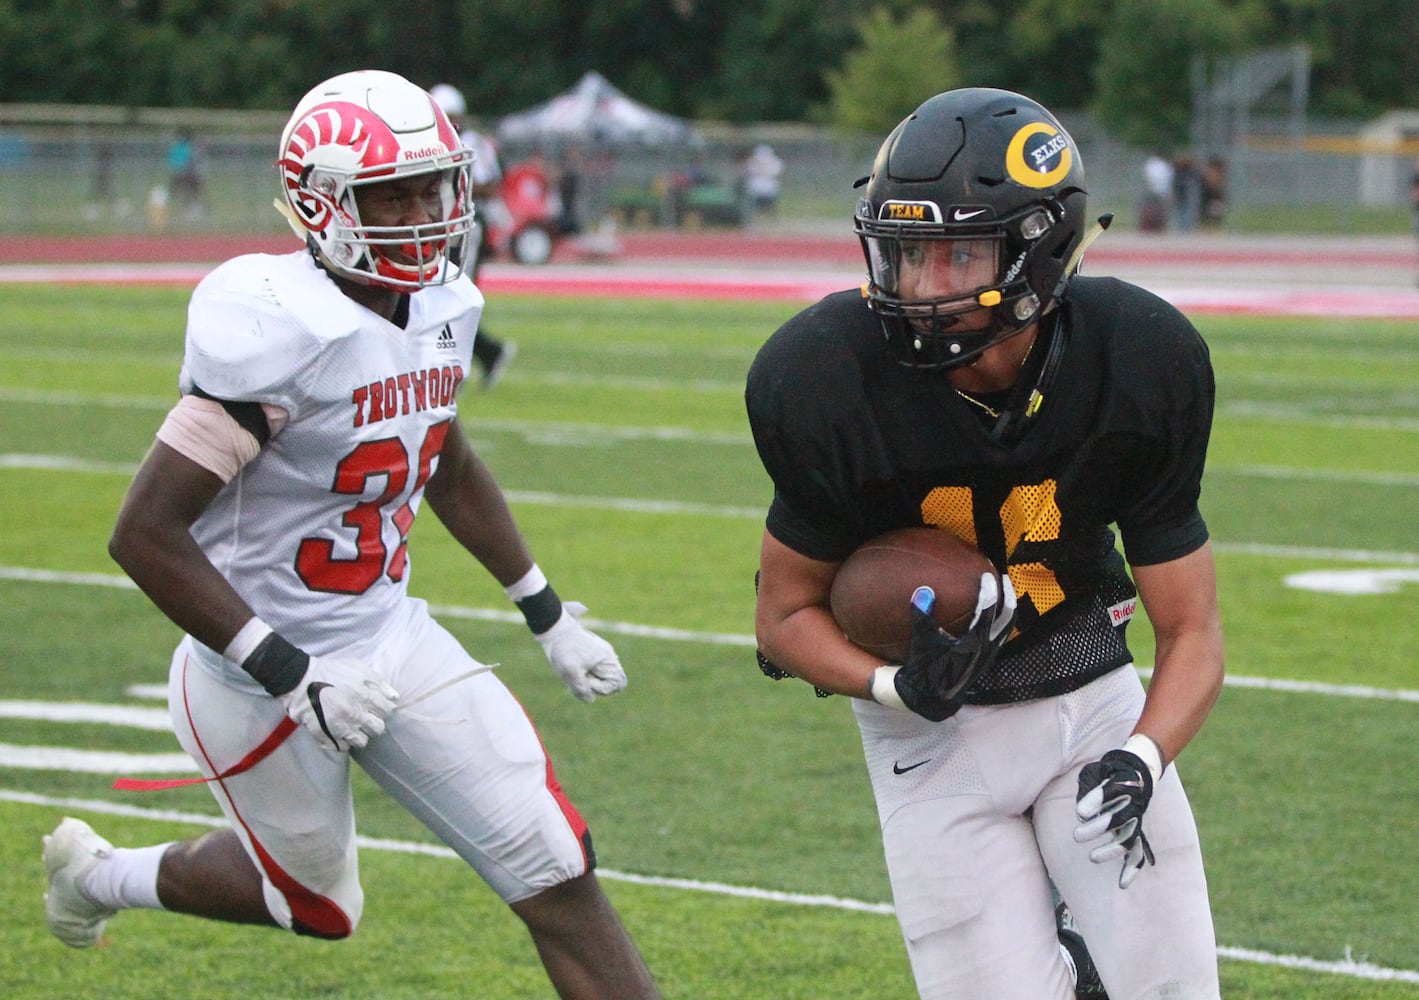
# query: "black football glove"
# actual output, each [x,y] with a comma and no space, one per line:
[939,668]
[1113,795]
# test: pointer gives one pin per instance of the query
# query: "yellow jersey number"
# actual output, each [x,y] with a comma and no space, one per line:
[1029,514]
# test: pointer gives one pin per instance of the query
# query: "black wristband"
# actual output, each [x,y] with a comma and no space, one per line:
[276,665]
[541,610]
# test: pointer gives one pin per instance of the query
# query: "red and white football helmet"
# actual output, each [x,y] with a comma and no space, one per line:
[364,128]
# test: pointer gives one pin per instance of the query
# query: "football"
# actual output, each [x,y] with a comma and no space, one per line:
[871,594]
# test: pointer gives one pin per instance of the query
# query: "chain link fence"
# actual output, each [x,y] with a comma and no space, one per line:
[87,169]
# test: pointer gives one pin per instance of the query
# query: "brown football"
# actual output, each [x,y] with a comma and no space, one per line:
[871,594]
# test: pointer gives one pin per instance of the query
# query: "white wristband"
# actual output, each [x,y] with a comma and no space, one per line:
[1148,751]
[244,643]
[534,581]
[883,688]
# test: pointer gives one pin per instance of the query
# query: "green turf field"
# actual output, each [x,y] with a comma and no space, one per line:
[732,815]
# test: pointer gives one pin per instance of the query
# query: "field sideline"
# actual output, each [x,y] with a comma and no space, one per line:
[621,419]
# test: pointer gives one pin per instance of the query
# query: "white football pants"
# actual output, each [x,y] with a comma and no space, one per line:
[464,760]
[977,818]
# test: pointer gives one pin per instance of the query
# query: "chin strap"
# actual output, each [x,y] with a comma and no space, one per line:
[1077,256]
[1018,413]
[1016,416]
[286,213]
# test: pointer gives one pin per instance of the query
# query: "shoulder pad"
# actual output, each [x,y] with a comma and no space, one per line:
[256,322]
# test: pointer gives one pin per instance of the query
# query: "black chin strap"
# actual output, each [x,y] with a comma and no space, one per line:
[1028,396]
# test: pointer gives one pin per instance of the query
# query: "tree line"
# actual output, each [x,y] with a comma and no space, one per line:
[852,63]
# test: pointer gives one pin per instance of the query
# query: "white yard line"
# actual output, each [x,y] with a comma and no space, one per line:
[569,434]
[1345,967]
[1235,410]
[26,574]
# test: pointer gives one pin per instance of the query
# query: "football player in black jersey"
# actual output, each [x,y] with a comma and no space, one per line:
[975,384]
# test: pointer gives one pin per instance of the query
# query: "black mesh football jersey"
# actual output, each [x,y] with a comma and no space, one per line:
[857,444]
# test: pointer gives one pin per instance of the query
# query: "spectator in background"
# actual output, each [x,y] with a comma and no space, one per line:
[185,167]
[1156,206]
[1187,193]
[493,355]
[569,193]
[101,194]
[674,190]
[1414,194]
[763,179]
[1214,191]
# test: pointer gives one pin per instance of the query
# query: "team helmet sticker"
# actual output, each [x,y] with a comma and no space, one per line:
[1039,156]
[910,211]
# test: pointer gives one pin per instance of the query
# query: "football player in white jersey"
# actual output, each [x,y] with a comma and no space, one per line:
[485,182]
[269,521]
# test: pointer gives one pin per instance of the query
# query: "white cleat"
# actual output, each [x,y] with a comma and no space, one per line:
[69,853]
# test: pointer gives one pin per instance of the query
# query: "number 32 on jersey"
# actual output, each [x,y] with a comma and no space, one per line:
[316,563]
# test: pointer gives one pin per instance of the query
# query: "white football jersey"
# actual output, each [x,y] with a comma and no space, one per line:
[486,169]
[312,532]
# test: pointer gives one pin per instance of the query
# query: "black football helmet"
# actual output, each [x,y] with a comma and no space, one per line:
[972,164]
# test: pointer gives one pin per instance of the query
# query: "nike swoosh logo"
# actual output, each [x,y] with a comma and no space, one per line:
[961,216]
[898,769]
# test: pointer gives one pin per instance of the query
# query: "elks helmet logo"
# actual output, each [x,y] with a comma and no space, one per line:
[1039,156]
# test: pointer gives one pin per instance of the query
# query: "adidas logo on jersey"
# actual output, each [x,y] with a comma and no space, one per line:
[446,341]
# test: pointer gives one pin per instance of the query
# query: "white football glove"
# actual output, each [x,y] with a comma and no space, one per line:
[585,661]
[340,700]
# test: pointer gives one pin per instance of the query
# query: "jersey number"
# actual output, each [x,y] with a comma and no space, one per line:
[316,563]
[1029,514]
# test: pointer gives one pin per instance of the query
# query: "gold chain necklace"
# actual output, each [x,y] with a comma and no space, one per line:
[990,410]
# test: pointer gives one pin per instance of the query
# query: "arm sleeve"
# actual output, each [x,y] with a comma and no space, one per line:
[204,431]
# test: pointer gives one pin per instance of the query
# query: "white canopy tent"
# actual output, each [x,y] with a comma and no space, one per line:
[594,112]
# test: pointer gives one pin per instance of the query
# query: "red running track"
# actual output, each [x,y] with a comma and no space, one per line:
[821,250]
[796,267]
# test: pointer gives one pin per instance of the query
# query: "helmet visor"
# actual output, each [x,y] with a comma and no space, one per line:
[928,279]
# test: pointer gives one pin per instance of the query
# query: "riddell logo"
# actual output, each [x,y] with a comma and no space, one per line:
[420,154]
[1122,611]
